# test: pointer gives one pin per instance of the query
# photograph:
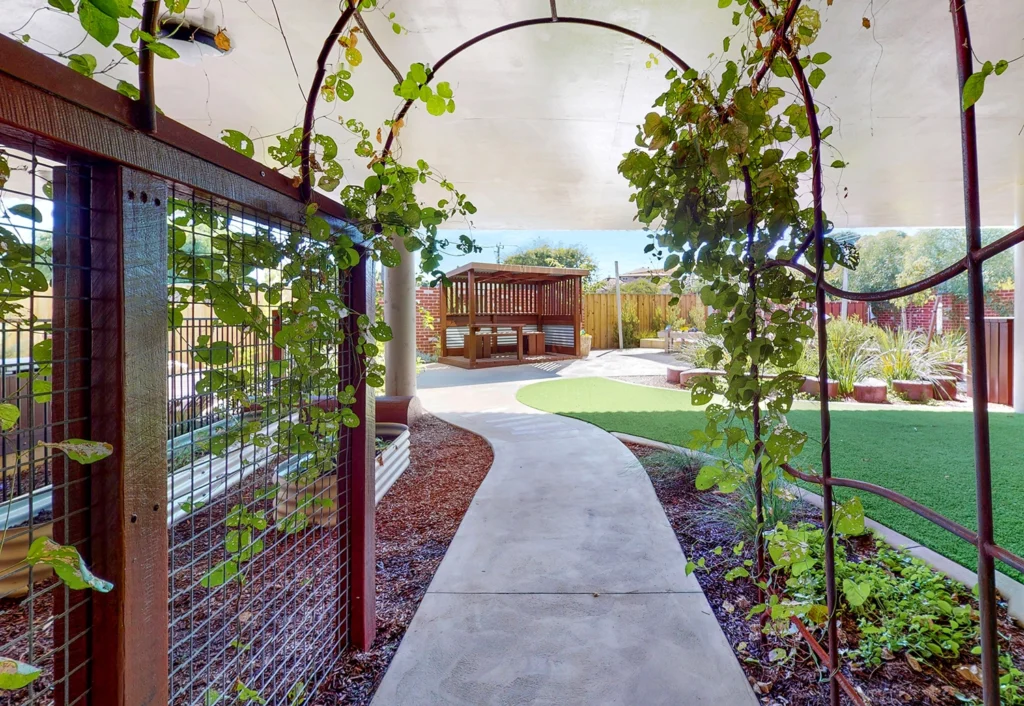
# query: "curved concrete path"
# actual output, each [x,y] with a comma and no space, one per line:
[564,584]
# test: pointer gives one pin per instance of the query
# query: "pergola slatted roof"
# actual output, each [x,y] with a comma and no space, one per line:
[491,272]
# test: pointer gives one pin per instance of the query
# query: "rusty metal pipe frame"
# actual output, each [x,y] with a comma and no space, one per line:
[832,652]
[972,262]
[554,19]
[831,596]
[978,256]
[147,80]
[761,565]
[305,173]
[979,365]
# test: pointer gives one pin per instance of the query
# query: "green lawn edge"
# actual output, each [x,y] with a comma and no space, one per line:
[925,453]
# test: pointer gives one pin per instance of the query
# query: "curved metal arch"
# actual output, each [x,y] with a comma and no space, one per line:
[554,20]
[975,255]
[306,188]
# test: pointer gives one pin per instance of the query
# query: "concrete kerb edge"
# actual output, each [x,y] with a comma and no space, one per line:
[1011,590]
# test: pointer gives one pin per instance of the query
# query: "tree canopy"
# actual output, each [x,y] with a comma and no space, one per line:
[641,286]
[542,254]
[892,259]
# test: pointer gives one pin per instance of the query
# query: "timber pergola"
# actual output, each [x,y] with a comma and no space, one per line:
[495,315]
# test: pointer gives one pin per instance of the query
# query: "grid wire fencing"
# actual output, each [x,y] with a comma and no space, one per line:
[258,531]
[44,212]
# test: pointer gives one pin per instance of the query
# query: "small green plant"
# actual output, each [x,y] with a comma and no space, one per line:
[630,327]
[899,603]
[740,512]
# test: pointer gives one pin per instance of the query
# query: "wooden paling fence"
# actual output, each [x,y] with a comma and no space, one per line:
[652,310]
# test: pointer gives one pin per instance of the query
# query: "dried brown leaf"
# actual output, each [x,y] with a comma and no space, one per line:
[970,672]
[222,40]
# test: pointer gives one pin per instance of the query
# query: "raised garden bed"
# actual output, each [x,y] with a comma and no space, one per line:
[392,457]
[782,670]
[812,386]
[914,390]
[870,391]
[416,522]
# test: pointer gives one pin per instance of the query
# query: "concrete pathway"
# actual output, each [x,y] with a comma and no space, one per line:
[565,583]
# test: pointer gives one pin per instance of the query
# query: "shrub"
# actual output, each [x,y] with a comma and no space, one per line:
[630,327]
[697,316]
[904,355]
[695,353]
[852,349]
[950,347]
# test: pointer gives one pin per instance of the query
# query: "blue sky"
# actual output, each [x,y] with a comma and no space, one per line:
[605,246]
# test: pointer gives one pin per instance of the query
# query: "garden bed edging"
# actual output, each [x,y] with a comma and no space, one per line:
[1010,589]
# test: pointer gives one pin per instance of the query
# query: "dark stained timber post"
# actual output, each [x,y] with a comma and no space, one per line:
[979,365]
[147,81]
[361,610]
[129,393]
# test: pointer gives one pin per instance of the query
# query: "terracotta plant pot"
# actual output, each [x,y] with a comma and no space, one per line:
[870,390]
[913,390]
[291,493]
[944,387]
[810,387]
[14,583]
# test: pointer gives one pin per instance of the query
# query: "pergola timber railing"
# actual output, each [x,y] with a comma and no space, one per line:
[83,99]
[544,304]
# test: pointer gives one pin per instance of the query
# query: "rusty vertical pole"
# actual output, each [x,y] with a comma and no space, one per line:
[146,106]
[748,192]
[979,364]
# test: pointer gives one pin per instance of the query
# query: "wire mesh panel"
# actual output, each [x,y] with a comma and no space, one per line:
[44,299]
[258,528]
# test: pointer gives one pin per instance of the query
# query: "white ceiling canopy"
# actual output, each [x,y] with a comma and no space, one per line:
[544,113]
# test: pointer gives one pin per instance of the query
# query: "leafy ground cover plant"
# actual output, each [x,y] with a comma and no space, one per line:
[909,633]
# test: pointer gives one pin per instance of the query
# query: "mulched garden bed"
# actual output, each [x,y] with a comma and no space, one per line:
[799,681]
[416,522]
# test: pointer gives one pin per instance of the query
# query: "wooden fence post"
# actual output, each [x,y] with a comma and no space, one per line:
[129,411]
[362,565]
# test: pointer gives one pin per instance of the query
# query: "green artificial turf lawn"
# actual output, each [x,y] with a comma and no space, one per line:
[926,453]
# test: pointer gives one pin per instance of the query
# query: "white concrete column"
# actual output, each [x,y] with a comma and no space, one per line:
[1018,293]
[400,314]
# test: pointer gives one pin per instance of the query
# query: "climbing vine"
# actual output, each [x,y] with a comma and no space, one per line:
[311,264]
[717,176]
